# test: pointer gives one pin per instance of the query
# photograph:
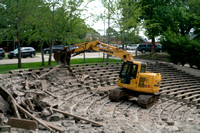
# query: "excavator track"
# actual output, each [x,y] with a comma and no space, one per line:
[117,94]
[146,101]
[143,100]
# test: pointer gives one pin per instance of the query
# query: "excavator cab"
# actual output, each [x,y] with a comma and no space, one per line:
[134,76]
[128,72]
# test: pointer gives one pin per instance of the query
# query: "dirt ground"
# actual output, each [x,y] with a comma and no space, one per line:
[82,91]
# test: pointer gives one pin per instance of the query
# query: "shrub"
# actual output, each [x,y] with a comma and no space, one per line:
[181,49]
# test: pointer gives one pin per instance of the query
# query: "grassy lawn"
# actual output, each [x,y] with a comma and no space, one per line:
[156,56]
[6,56]
[7,68]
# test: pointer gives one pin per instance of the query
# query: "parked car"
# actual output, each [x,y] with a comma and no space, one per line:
[72,47]
[132,47]
[147,48]
[54,49]
[2,53]
[25,52]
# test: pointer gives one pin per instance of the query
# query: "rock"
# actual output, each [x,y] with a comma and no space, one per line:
[4,106]
[46,112]
[98,118]
[88,88]
[170,123]
[56,117]
[101,94]
[126,115]
[171,129]
[190,120]
[102,131]
[68,123]
[198,106]
[164,119]
[72,130]
[29,103]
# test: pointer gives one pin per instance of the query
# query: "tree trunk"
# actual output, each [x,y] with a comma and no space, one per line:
[103,57]
[84,56]
[50,53]
[153,46]
[19,55]
[42,53]
[107,59]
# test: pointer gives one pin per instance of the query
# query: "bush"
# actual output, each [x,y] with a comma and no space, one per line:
[181,49]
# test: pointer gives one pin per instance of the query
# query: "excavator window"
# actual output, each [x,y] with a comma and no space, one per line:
[125,73]
[128,72]
[143,68]
[134,71]
[126,69]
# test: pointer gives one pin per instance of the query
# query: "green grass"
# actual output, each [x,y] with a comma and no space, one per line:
[6,56]
[156,56]
[7,68]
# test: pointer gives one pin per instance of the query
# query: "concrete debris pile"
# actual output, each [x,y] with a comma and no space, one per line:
[63,99]
[31,96]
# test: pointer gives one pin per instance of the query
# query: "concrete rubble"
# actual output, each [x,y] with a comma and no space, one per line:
[63,99]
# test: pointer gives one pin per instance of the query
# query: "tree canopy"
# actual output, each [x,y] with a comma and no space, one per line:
[44,21]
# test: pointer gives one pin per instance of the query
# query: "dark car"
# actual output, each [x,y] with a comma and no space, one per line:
[72,47]
[147,48]
[25,52]
[2,53]
[55,48]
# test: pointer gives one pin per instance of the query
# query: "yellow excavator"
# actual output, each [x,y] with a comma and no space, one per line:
[134,80]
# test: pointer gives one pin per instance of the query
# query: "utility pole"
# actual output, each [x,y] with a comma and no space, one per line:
[104,35]
[18,38]
[52,40]
[108,33]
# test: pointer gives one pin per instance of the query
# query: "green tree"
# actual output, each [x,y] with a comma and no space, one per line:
[40,32]
[181,18]
[14,14]
[128,20]
[195,10]
[150,19]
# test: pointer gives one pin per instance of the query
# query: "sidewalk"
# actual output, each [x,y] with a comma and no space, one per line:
[37,58]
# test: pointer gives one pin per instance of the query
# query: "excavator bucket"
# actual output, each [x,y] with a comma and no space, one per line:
[63,57]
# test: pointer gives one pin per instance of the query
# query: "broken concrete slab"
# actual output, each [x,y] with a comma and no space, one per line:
[4,106]
[1,118]
[23,123]
[5,128]
[27,84]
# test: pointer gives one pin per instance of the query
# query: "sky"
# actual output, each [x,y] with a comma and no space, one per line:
[96,8]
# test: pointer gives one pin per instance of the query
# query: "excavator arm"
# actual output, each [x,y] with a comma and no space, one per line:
[63,57]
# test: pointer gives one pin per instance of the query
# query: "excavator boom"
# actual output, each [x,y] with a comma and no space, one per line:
[63,57]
